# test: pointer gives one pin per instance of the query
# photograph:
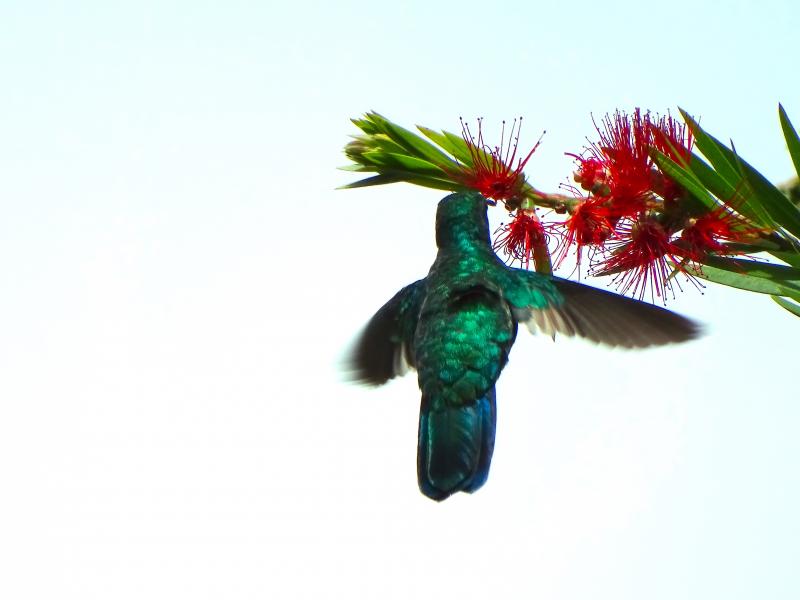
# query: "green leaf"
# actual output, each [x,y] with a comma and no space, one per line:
[711,180]
[365,125]
[792,139]
[382,179]
[466,156]
[716,152]
[437,183]
[757,268]
[402,162]
[357,168]
[740,198]
[793,258]
[411,142]
[765,278]
[753,246]
[725,181]
[783,212]
[792,307]
[752,187]
[362,144]
[454,145]
[381,141]
[741,281]
[686,179]
[387,177]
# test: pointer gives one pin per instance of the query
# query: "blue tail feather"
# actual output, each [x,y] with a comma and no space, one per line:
[455,446]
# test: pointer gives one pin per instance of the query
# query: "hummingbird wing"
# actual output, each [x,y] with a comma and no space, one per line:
[556,305]
[384,348]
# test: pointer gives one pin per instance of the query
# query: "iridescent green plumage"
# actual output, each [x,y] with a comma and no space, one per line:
[457,325]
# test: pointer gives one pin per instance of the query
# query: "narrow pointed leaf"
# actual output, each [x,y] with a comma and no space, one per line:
[726,180]
[792,258]
[404,162]
[357,168]
[451,144]
[739,197]
[382,179]
[413,143]
[792,139]
[734,169]
[743,281]
[365,125]
[383,142]
[765,278]
[716,152]
[780,208]
[792,307]
[466,156]
[686,179]
[781,273]
[753,247]
[437,183]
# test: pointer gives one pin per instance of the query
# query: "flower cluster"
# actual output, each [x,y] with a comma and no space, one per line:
[637,220]
[629,214]
[492,172]
[644,207]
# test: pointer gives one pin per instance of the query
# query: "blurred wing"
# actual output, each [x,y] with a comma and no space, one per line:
[604,317]
[384,348]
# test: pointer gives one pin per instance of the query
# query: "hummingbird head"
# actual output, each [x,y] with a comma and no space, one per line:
[461,220]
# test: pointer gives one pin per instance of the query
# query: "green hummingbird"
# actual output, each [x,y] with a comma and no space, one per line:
[457,325]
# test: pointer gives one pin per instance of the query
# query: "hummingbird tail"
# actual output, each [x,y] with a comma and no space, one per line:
[455,446]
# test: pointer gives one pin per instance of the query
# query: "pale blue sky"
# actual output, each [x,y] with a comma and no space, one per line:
[180,278]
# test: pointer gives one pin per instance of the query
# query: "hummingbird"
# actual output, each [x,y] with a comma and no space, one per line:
[456,327]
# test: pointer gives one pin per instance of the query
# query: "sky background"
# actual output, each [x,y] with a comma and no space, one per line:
[180,281]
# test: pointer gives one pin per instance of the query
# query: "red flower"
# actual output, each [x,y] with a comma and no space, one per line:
[591,174]
[705,235]
[619,166]
[519,238]
[624,151]
[588,225]
[675,140]
[640,258]
[493,173]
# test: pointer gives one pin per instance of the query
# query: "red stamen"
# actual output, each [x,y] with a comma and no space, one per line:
[673,139]
[624,149]
[640,259]
[493,173]
[519,238]
[706,234]
[591,174]
[588,225]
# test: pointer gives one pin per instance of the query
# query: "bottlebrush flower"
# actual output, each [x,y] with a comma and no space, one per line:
[708,233]
[619,166]
[492,172]
[624,151]
[519,239]
[640,258]
[591,174]
[588,225]
[672,138]
[675,140]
